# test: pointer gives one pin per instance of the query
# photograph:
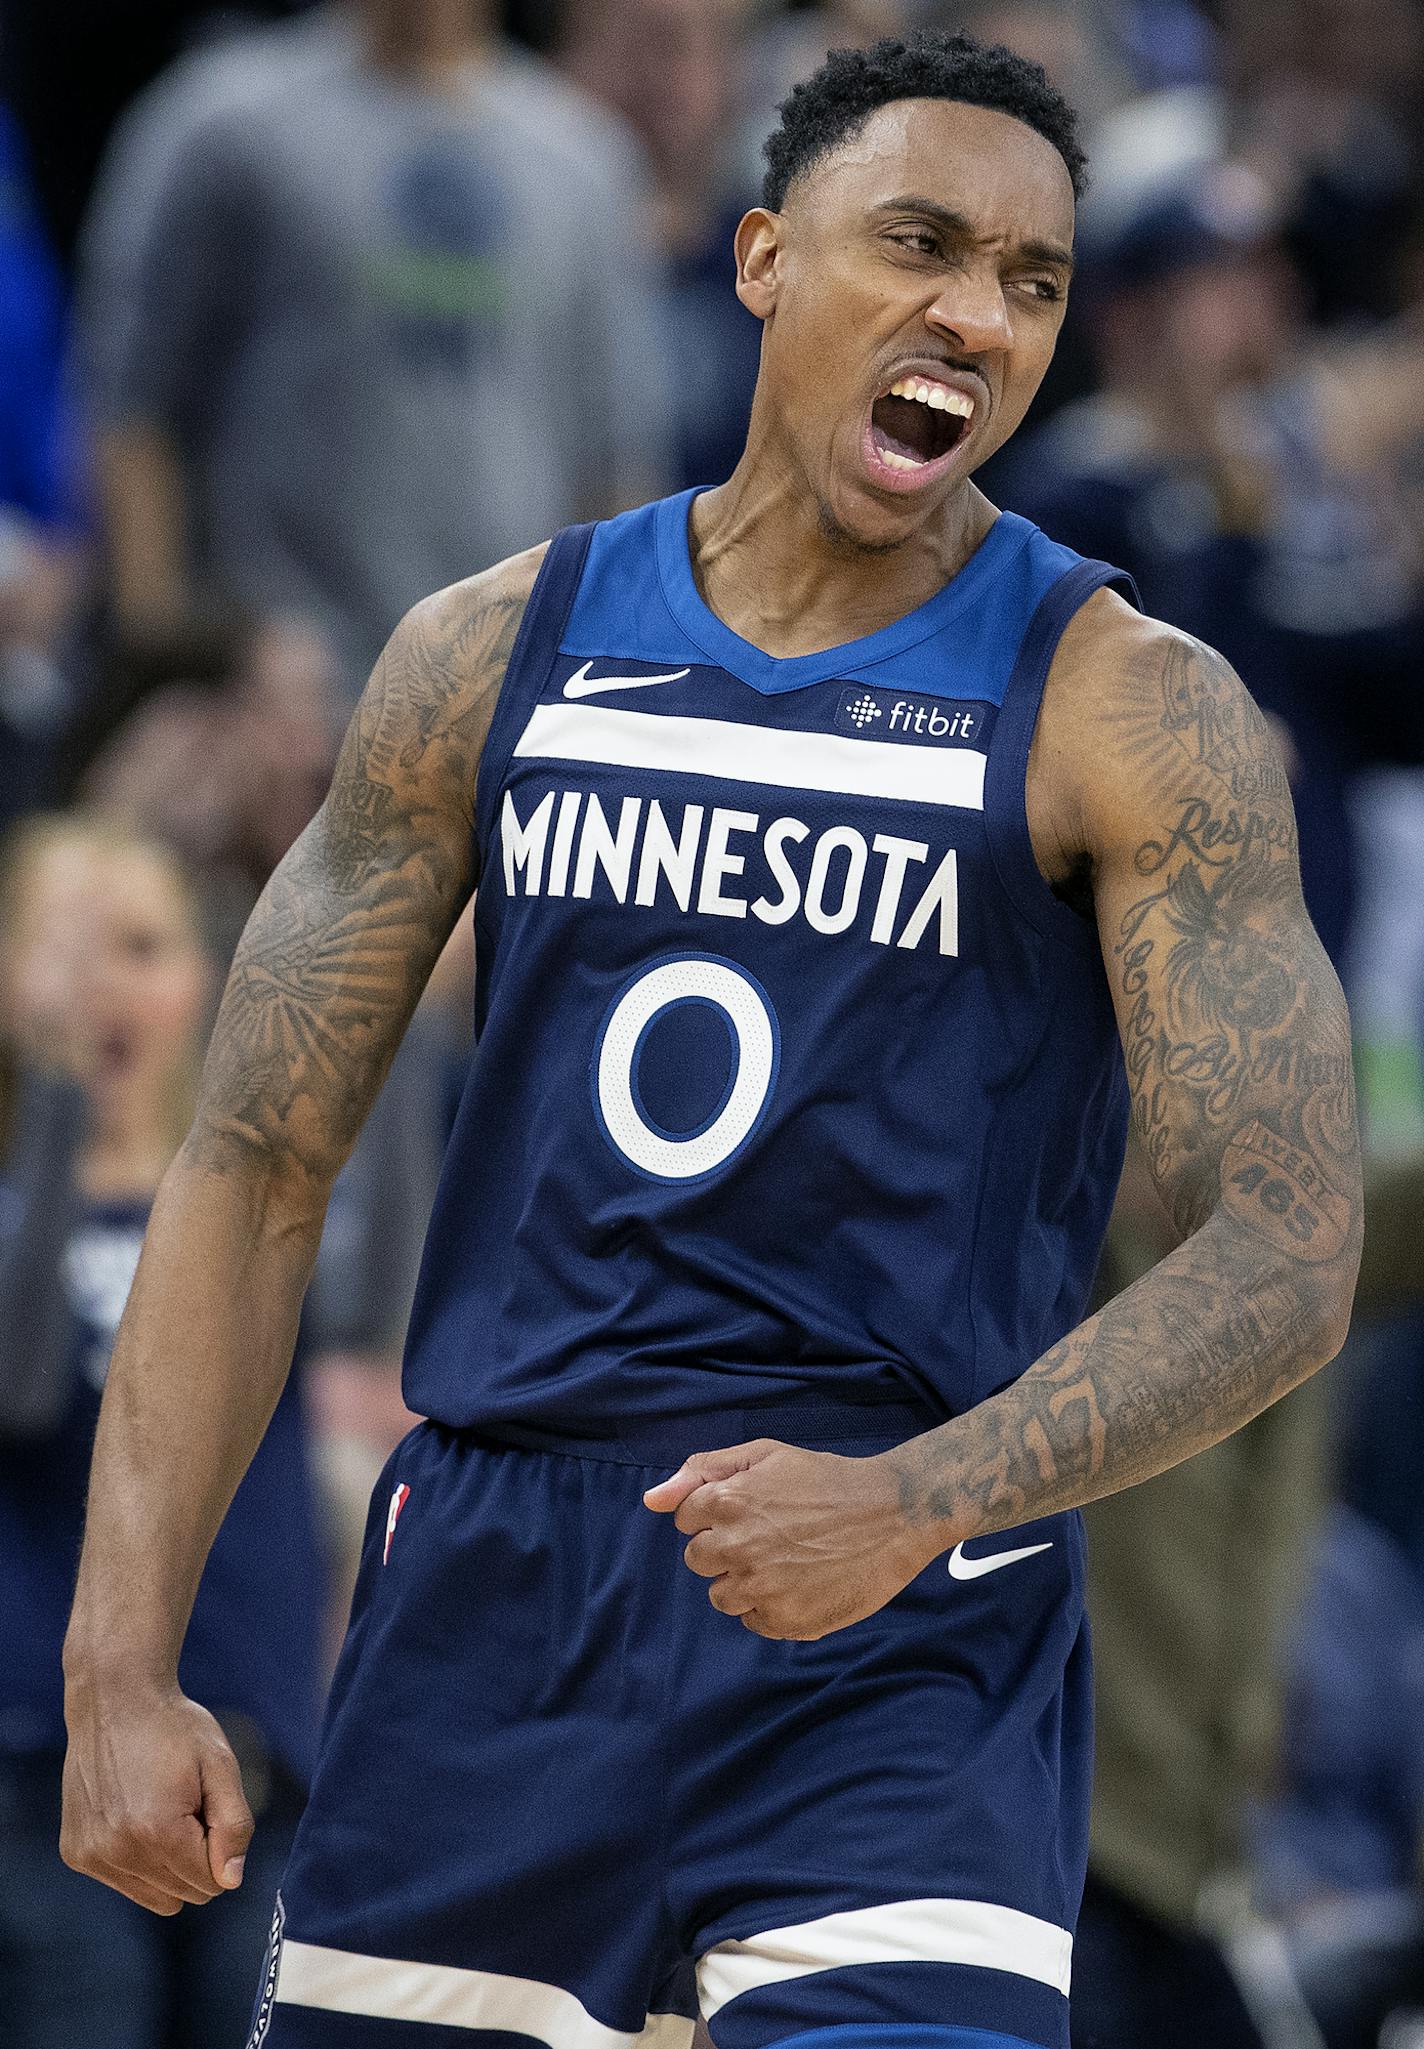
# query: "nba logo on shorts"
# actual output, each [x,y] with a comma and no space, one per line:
[398,1502]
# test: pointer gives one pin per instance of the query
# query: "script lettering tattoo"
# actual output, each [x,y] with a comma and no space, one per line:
[340,945]
[1236,1045]
[1215,838]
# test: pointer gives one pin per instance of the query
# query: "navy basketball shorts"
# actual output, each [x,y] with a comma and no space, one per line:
[562,1799]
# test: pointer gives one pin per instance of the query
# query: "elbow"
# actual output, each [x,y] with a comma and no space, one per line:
[1328,1308]
[283,1198]
[1333,1319]
[1341,1278]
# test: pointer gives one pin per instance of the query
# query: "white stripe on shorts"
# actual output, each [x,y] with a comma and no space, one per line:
[832,762]
[381,1988]
[905,1932]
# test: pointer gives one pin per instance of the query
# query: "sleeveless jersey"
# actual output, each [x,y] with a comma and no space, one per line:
[797,1093]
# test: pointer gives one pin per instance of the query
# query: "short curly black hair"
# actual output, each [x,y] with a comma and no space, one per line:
[831,105]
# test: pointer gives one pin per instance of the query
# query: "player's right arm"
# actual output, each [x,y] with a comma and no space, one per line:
[324,982]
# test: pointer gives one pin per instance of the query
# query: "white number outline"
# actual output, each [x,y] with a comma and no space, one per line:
[660,1144]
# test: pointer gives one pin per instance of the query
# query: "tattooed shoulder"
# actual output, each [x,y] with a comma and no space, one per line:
[433,694]
[1233,1026]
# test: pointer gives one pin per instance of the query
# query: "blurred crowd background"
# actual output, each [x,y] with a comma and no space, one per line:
[305,312]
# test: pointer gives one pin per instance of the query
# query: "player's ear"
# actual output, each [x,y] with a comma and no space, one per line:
[758,244]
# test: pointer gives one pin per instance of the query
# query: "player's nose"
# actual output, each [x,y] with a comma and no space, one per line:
[972,312]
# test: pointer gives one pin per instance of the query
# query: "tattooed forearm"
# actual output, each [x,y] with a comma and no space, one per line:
[1236,1044]
[1174,1364]
[347,931]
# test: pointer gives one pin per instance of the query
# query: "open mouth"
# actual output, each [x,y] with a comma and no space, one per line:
[917,423]
[116,1055]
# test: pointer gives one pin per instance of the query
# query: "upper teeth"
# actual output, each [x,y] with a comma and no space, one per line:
[938,396]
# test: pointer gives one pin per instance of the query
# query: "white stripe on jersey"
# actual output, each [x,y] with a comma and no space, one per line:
[755,754]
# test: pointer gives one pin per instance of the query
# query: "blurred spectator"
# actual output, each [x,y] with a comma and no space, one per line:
[104,993]
[1192,1581]
[39,550]
[785,44]
[1088,51]
[1322,99]
[366,308]
[67,108]
[1326,106]
[670,69]
[1341,1842]
[1209,467]
[230,772]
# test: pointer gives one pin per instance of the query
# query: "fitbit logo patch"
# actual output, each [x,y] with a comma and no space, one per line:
[922,721]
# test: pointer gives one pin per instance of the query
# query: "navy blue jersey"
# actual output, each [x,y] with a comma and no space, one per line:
[796,1088]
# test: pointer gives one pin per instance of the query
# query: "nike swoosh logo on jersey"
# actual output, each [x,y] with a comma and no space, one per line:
[581,684]
[961,1567]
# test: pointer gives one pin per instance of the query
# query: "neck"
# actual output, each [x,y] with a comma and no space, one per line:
[432,43]
[777,571]
[127,1154]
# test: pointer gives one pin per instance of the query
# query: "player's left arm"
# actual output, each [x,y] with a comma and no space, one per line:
[1237,1046]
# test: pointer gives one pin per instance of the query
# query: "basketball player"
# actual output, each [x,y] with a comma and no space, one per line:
[835,838]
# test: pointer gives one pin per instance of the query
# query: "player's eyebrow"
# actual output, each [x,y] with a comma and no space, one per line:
[951,222]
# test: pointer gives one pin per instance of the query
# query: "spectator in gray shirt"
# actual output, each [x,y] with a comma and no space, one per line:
[365,307]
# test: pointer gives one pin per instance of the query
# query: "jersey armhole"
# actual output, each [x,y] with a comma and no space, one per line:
[535,647]
[1006,778]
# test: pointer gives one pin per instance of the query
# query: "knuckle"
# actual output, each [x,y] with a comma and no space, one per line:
[151,1831]
[104,1845]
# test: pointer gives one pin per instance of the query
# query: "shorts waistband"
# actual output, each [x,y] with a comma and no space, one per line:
[665,1442]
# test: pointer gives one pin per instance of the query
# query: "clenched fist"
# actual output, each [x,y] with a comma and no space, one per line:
[796,1543]
[153,1800]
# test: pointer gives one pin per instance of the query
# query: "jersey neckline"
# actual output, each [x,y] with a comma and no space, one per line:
[768,673]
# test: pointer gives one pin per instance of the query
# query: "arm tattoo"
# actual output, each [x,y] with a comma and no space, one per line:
[1237,1049]
[346,932]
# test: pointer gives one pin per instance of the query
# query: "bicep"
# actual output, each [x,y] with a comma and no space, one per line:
[1233,1025]
[343,939]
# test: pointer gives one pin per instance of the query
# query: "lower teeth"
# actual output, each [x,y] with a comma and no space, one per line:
[896,461]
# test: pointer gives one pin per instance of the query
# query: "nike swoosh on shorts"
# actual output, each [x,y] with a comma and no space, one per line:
[961,1567]
[581,684]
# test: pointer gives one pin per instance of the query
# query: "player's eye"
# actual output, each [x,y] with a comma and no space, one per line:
[922,241]
[1049,289]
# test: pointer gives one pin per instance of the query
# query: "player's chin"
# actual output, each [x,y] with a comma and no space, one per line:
[878,504]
